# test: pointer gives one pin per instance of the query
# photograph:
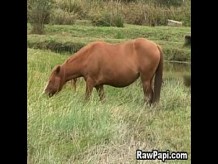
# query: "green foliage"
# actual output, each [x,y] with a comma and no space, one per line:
[134,13]
[76,7]
[69,5]
[154,15]
[69,39]
[38,13]
[177,53]
[107,19]
[115,13]
[172,52]
[55,45]
[107,14]
[59,16]
[119,35]
[169,2]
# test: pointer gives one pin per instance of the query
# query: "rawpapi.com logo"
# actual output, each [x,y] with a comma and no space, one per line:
[160,155]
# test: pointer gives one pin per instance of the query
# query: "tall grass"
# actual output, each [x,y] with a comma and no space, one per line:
[62,17]
[107,14]
[154,14]
[64,129]
[116,12]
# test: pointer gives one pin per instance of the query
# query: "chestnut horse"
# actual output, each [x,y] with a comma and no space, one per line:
[118,65]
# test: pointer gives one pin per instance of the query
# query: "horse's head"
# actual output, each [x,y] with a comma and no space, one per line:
[55,82]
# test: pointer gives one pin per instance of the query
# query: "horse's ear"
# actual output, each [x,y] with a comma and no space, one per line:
[57,70]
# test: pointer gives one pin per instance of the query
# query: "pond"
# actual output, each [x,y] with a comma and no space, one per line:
[177,71]
[177,67]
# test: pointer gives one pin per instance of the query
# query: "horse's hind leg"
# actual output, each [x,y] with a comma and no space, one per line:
[100,90]
[148,91]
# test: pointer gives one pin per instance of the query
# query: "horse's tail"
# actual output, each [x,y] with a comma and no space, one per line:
[158,77]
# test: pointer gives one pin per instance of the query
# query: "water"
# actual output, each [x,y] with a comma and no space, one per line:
[175,70]
[177,67]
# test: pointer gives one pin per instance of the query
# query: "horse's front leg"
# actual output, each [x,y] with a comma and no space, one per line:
[89,88]
[73,83]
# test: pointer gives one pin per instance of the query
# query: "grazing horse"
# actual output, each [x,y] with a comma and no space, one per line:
[118,65]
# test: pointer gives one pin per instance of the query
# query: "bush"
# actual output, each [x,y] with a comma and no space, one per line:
[156,15]
[77,7]
[107,19]
[61,17]
[134,13]
[107,14]
[115,13]
[151,14]
[38,13]
[143,14]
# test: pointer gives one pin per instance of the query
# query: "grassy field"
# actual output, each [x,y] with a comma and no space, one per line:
[65,130]
[69,39]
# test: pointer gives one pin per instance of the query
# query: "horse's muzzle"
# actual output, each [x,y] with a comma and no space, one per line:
[49,94]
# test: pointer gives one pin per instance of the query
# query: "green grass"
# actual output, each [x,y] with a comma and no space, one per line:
[69,39]
[63,129]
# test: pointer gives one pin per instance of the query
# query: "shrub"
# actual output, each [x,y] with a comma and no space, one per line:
[107,19]
[139,14]
[59,16]
[151,14]
[38,13]
[134,13]
[78,7]
[107,14]
[156,15]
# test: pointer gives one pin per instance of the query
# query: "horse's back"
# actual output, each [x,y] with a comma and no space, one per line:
[135,52]
[137,48]
[102,49]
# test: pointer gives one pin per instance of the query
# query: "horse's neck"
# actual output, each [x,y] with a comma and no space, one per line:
[73,68]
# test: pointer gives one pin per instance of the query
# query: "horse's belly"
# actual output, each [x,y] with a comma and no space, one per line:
[121,80]
[119,72]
